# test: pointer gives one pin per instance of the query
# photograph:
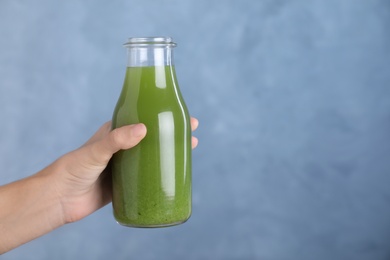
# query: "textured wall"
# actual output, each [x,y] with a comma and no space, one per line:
[294,103]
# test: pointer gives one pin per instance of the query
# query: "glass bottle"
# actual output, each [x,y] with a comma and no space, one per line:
[152,181]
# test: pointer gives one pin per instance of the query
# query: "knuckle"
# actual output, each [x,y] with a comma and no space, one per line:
[117,138]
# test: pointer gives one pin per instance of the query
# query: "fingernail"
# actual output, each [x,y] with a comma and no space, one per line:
[139,130]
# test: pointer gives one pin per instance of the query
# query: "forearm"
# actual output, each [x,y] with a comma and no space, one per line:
[29,208]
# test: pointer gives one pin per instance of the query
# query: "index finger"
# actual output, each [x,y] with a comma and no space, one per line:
[194,123]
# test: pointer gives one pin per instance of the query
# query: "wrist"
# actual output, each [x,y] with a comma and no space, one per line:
[54,176]
[48,180]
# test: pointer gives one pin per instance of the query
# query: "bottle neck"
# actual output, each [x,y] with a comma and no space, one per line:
[150,55]
[150,51]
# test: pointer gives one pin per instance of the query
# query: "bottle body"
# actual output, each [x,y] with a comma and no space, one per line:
[152,181]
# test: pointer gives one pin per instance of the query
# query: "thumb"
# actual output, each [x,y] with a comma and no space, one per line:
[124,137]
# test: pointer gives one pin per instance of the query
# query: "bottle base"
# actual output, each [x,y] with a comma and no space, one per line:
[152,225]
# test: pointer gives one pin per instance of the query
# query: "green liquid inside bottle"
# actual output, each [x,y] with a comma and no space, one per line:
[152,181]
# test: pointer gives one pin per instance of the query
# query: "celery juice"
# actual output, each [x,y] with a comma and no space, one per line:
[152,181]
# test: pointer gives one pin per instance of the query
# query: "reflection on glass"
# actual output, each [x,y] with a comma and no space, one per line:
[167,152]
[160,79]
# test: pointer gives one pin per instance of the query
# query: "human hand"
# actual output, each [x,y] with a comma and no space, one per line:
[83,181]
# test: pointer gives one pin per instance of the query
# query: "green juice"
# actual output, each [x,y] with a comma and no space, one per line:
[152,181]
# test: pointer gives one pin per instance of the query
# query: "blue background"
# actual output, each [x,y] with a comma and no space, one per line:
[293,99]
